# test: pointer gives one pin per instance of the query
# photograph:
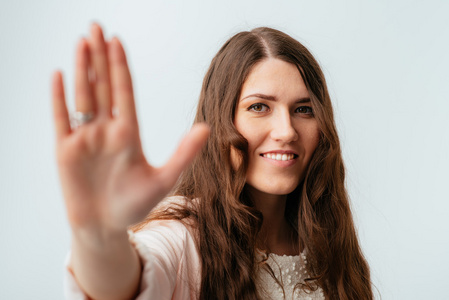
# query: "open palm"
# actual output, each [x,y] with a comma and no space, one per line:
[106,180]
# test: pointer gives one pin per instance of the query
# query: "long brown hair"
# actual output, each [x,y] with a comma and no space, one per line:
[224,218]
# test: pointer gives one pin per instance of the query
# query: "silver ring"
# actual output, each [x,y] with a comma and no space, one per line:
[78,118]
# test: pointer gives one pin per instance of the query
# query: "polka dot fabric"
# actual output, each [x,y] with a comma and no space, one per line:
[289,271]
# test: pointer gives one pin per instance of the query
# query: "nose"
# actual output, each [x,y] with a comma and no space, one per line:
[282,129]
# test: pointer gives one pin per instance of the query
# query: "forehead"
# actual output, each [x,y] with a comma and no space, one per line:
[275,77]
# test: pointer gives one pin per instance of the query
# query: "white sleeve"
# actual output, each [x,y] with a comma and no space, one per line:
[170,263]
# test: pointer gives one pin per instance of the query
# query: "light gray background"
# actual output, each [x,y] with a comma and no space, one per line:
[386,64]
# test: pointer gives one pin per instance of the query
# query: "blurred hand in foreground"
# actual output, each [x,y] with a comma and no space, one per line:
[107,183]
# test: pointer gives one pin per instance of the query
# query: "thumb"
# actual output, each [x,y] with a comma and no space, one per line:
[189,146]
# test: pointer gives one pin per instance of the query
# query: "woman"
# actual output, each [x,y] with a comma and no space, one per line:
[261,212]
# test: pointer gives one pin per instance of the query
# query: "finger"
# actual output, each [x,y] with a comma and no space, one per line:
[83,90]
[121,84]
[60,114]
[190,145]
[99,62]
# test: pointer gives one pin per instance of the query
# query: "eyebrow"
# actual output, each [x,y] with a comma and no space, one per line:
[273,98]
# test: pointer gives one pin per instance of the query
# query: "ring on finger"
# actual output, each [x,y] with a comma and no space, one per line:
[79,118]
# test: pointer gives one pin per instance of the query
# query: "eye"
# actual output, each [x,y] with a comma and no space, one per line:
[258,107]
[305,110]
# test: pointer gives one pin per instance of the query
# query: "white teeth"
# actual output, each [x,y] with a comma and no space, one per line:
[279,156]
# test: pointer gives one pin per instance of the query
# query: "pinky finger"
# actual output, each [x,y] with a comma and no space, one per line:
[60,114]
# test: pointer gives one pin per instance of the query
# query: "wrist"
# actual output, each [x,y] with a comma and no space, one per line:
[99,239]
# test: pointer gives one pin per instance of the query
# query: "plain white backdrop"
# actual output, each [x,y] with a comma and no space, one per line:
[387,67]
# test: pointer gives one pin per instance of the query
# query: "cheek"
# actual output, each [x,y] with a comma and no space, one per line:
[254,135]
[316,138]
[313,137]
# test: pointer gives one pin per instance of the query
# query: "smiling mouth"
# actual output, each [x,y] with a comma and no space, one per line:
[280,156]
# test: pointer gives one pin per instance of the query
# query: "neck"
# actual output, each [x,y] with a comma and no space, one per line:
[276,235]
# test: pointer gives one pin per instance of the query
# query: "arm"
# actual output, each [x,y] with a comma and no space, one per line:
[106,181]
[107,267]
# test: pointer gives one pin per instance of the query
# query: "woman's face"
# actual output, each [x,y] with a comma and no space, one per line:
[275,116]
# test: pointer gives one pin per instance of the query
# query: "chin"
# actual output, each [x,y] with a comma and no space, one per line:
[281,191]
[273,188]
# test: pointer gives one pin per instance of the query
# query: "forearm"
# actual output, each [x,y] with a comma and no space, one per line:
[106,266]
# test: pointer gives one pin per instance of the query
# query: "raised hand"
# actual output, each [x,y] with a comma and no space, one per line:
[106,180]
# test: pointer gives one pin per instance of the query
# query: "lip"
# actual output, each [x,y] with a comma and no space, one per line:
[280,163]
[280,152]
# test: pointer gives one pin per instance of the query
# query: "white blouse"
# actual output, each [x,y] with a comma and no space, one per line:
[171,268]
[289,271]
